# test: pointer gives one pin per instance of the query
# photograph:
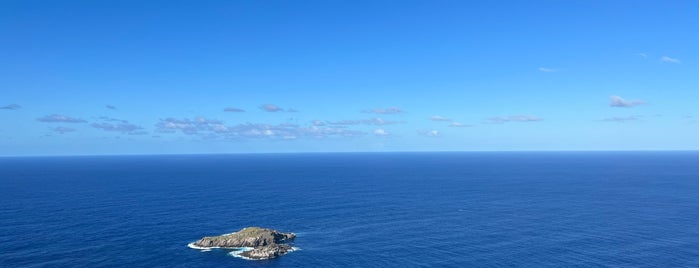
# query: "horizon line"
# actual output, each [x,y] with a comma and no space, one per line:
[356,152]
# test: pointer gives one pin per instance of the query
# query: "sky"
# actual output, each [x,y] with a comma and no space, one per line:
[182,77]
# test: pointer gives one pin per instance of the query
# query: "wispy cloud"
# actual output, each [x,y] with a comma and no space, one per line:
[57,118]
[10,107]
[667,59]
[457,124]
[214,129]
[62,130]
[271,108]
[110,107]
[381,132]
[346,122]
[325,132]
[389,110]
[124,128]
[439,118]
[643,55]
[109,119]
[616,101]
[233,110]
[189,126]
[292,110]
[622,119]
[546,70]
[513,118]
[373,121]
[430,133]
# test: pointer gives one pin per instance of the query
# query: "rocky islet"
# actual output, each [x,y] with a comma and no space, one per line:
[265,243]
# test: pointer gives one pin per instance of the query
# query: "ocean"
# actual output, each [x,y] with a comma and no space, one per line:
[479,209]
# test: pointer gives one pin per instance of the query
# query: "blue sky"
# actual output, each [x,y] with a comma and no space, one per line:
[149,77]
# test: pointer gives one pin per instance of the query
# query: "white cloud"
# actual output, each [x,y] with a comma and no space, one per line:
[514,118]
[188,126]
[622,119]
[214,129]
[373,122]
[118,125]
[57,118]
[667,59]
[457,124]
[109,119]
[616,101]
[389,110]
[271,108]
[546,70]
[380,132]
[430,133]
[233,110]
[62,130]
[439,118]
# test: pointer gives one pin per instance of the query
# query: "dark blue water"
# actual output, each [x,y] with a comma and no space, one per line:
[356,210]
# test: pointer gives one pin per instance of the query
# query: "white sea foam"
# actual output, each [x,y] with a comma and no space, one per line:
[192,245]
[236,253]
[205,249]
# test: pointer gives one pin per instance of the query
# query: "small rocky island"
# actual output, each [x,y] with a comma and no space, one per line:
[265,243]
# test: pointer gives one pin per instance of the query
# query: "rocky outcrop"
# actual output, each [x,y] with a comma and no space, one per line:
[266,243]
[267,252]
[247,237]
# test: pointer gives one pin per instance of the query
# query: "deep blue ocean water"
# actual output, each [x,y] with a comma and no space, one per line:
[613,209]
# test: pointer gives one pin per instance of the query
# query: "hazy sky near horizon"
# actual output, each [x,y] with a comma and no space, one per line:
[132,77]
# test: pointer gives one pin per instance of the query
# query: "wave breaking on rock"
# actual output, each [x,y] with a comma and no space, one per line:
[252,243]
